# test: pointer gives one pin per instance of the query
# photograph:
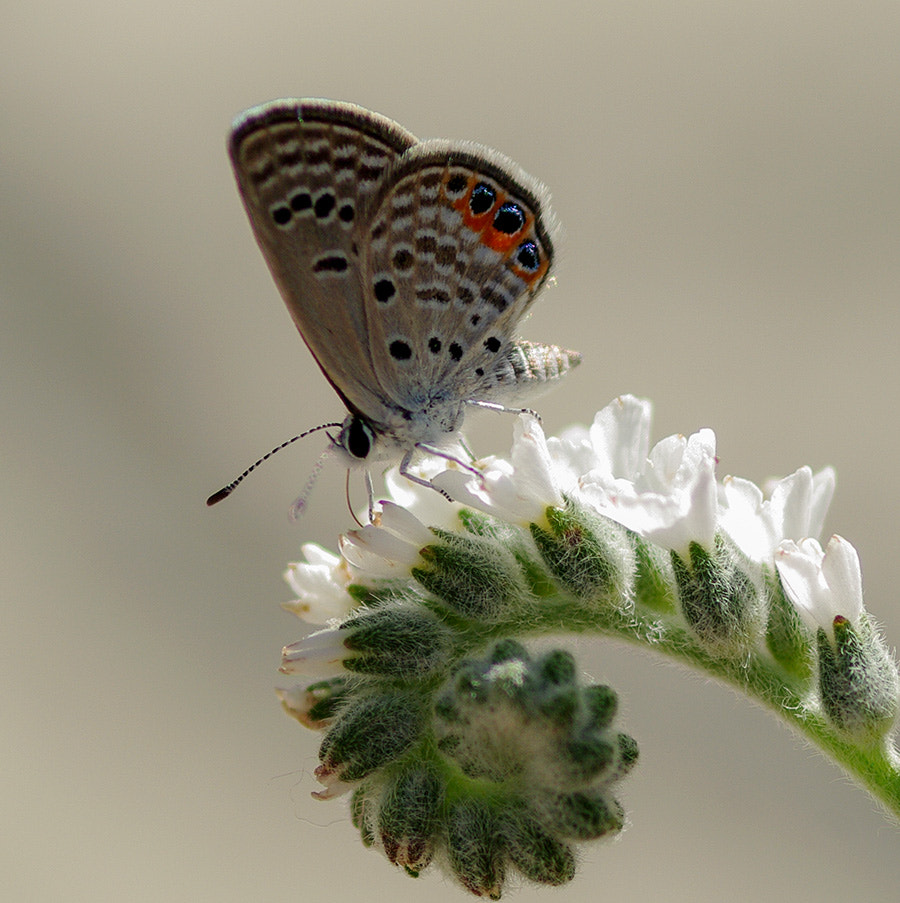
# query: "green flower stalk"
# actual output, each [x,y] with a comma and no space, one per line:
[462,747]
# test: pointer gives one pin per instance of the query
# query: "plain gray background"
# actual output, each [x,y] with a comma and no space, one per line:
[727,176]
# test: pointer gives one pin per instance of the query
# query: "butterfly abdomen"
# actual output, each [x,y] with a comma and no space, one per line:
[527,368]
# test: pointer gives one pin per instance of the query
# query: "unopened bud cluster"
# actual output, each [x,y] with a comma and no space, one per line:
[519,762]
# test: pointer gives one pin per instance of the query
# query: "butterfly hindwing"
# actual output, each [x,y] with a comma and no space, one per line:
[307,171]
[455,249]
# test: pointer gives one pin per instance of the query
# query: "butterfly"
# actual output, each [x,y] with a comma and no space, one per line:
[406,266]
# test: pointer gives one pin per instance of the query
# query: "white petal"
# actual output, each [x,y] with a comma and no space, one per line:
[320,583]
[533,464]
[369,564]
[318,655]
[298,701]
[741,516]
[428,506]
[692,517]
[821,584]
[822,492]
[701,449]
[294,698]
[703,502]
[389,546]
[518,492]
[799,572]
[572,458]
[498,493]
[663,463]
[620,436]
[315,554]
[840,568]
[334,787]
[789,505]
[404,524]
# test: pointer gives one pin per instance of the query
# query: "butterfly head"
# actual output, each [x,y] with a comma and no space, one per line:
[361,442]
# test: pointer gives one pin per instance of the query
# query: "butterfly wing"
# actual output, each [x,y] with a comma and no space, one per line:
[307,171]
[455,249]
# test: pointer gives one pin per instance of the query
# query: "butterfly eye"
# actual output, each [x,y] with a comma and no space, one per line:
[357,437]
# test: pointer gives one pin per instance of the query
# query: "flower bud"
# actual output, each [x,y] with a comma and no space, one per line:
[535,852]
[508,715]
[396,641]
[602,703]
[584,814]
[408,818]
[475,847]
[857,680]
[653,579]
[316,705]
[587,553]
[475,576]
[718,599]
[363,806]
[595,757]
[368,735]
[787,639]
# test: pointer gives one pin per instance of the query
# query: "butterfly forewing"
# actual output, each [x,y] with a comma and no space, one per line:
[307,171]
[455,252]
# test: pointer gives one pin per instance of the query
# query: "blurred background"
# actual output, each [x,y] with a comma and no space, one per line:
[727,177]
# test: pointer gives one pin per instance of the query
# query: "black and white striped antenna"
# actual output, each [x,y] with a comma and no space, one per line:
[298,506]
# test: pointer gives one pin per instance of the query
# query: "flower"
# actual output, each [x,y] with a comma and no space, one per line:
[428,506]
[795,509]
[518,491]
[320,583]
[388,547]
[320,654]
[669,498]
[617,443]
[822,585]
[314,705]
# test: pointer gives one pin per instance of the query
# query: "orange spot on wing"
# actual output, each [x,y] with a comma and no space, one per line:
[501,242]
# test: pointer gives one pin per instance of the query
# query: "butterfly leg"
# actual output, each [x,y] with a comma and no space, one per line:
[431,450]
[502,409]
[404,471]
[428,449]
